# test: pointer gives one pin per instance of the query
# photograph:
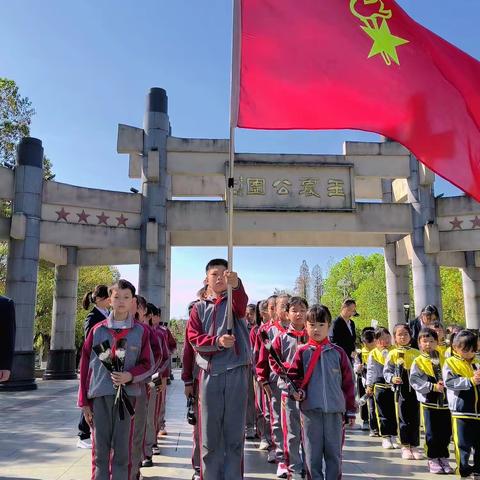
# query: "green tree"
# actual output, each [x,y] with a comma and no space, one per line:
[452,296]
[362,278]
[15,117]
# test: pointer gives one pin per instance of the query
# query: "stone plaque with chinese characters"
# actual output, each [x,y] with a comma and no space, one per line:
[305,186]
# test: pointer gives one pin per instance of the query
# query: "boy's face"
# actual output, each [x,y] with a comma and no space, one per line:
[250,316]
[216,280]
[265,314]
[384,341]
[155,320]
[467,355]
[427,344]
[317,331]
[281,309]
[122,300]
[369,345]
[296,316]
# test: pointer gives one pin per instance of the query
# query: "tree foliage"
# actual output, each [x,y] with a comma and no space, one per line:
[362,278]
[452,296]
[15,116]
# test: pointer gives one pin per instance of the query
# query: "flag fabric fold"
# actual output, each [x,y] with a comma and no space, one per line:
[364,65]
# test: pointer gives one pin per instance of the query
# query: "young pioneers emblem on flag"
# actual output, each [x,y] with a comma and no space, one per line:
[376,27]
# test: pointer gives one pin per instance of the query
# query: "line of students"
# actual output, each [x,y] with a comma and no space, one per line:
[121,443]
[301,427]
[435,386]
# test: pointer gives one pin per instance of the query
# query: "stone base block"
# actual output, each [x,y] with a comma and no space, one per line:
[23,373]
[61,365]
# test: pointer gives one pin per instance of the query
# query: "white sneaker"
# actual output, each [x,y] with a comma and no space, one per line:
[263,445]
[85,443]
[282,471]
[272,456]
[394,442]
[387,443]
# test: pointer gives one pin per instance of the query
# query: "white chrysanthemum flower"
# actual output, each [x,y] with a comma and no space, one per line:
[104,356]
[120,353]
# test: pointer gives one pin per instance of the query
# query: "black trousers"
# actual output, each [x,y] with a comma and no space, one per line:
[438,431]
[83,428]
[372,414]
[385,408]
[408,417]
[466,436]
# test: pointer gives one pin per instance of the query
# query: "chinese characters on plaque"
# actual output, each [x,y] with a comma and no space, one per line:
[268,186]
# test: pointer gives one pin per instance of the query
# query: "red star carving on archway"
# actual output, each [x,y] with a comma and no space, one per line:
[475,222]
[82,217]
[456,223]
[102,219]
[62,214]
[121,220]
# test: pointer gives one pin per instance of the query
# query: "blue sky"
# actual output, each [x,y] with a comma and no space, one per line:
[87,65]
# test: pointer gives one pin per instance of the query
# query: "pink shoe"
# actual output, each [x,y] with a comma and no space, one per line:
[407,453]
[435,466]
[446,465]
[418,454]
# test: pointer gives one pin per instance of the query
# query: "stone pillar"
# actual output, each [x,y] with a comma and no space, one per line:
[471,291]
[396,276]
[154,243]
[22,264]
[425,271]
[61,363]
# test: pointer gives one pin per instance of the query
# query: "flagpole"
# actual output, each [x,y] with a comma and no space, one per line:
[234,78]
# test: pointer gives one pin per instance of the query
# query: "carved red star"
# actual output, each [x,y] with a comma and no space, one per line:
[82,217]
[475,222]
[122,220]
[456,223]
[102,218]
[62,214]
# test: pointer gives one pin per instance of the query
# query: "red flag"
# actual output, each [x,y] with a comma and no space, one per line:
[360,64]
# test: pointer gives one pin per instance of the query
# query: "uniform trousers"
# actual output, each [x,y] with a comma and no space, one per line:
[437,423]
[466,436]
[385,408]
[408,417]
[139,424]
[292,434]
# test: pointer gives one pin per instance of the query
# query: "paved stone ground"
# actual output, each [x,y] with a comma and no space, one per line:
[38,437]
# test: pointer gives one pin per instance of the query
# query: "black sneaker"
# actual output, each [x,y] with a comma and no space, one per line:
[147,462]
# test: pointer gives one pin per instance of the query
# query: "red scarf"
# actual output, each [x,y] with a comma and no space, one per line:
[297,333]
[118,335]
[315,357]
[280,327]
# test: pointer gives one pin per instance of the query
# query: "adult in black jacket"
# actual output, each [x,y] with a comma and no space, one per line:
[343,328]
[100,298]
[427,316]
[7,337]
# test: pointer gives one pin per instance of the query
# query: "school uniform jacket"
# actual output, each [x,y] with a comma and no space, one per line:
[95,379]
[286,345]
[208,322]
[462,394]
[400,356]
[375,364]
[423,379]
[188,363]
[331,388]
[265,371]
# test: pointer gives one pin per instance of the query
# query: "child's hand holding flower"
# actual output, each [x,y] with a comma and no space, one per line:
[121,378]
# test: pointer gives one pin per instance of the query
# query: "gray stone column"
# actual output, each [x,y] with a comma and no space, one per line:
[62,356]
[425,271]
[153,235]
[471,291]
[22,264]
[396,276]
